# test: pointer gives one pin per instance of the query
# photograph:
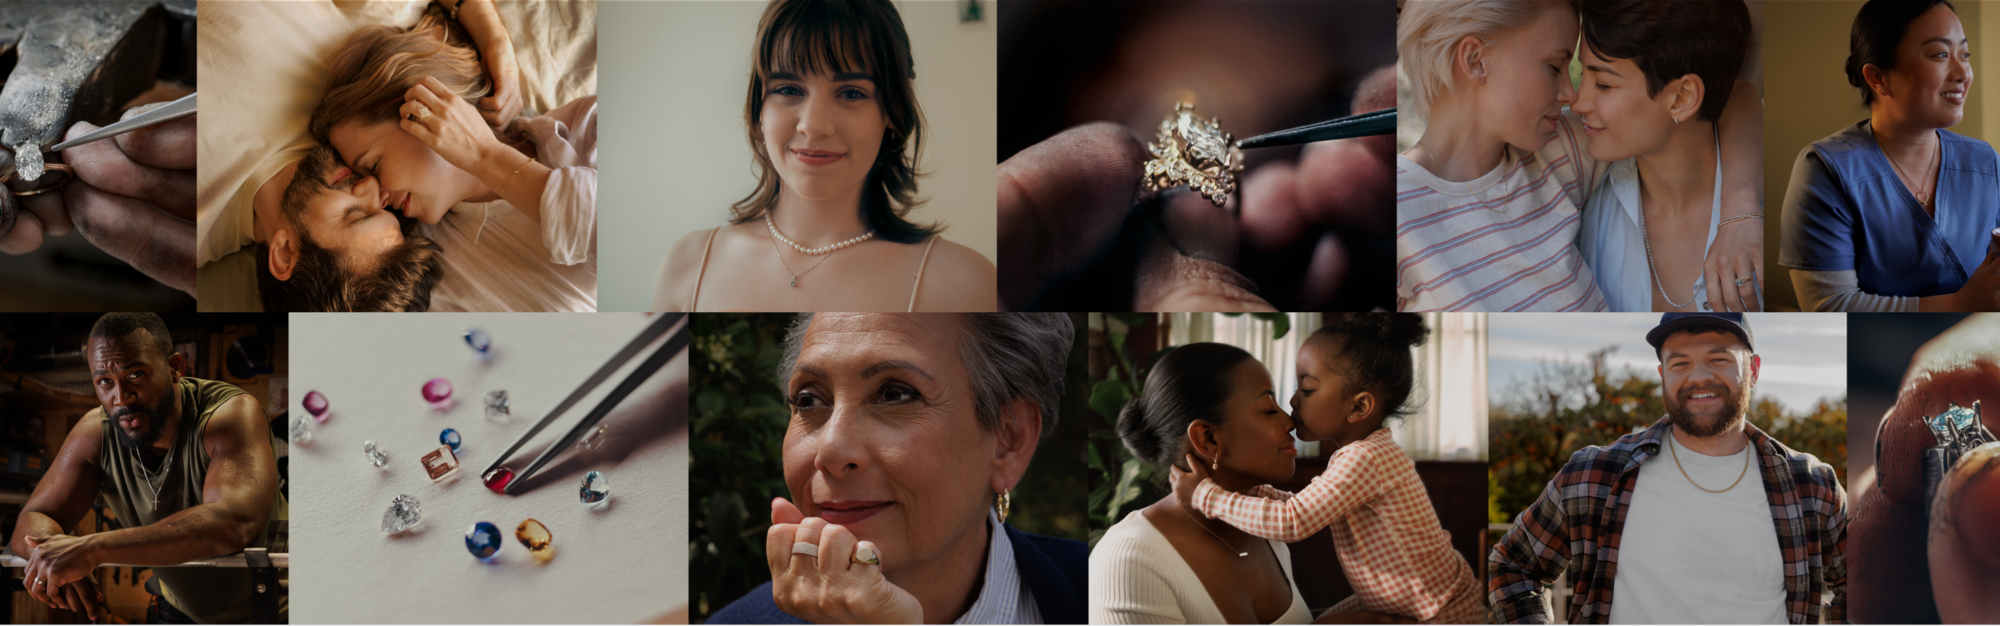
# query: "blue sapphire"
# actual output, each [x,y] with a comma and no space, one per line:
[479,340]
[483,540]
[450,438]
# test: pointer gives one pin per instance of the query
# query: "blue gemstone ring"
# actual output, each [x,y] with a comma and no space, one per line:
[483,540]
[1957,430]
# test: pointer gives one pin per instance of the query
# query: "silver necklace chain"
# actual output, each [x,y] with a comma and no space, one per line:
[1648,239]
[788,266]
[166,467]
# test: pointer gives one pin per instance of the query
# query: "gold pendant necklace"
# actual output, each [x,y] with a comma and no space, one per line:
[1225,542]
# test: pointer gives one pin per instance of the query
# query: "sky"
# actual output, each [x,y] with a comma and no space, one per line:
[1804,354]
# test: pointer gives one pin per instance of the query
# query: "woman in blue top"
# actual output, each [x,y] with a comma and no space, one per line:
[1896,213]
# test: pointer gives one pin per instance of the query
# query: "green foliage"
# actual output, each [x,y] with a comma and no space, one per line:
[1570,405]
[739,423]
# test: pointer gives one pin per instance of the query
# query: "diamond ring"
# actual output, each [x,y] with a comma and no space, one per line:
[1957,430]
[808,549]
[423,113]
[1740,281]
[1192,150]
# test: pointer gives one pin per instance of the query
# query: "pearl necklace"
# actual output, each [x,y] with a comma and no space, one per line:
[813,251]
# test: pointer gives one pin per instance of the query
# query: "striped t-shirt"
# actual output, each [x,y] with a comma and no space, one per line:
[1503,242]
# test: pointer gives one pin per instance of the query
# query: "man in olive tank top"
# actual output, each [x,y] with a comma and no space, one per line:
[184,464]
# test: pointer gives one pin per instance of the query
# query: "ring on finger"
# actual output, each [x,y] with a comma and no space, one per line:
[865,554]
[423,113]
[1740,281]
[808,549]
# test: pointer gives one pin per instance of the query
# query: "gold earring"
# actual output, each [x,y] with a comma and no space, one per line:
[1002,503]
[1216,464]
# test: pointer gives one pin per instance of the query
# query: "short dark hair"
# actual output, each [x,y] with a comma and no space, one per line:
[401,280]
[830,36]
[1878,29]
[1375,355]
[1701,329]
[1189,383]
[118,325]
[1669,39]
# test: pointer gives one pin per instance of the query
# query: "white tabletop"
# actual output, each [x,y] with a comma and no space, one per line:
[621,561]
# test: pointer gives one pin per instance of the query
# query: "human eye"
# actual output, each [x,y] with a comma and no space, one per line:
[853,93]
[897,393]
[806,399]
[787,90]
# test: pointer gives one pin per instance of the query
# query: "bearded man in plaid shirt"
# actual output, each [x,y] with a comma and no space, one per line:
[1700,519]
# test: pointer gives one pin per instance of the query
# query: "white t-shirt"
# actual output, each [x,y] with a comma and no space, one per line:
[1688,556]
[1137,577]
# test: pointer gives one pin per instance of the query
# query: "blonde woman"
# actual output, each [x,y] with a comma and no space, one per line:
[836,134]
[1489,201]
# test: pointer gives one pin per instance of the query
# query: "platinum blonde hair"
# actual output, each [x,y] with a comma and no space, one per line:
[1007,355]
[1428,31]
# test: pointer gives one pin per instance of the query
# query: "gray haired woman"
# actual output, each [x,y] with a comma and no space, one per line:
[907,435]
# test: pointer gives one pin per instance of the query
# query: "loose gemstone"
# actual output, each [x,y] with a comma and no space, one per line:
[537,538]
[594,440]
[440,463]
[498,478]
[596,488]
[438,393]
[483,540]
[403,513]
[301,430]
[496,406]
[479,340]
[450,438]
[375,454]
[316,406]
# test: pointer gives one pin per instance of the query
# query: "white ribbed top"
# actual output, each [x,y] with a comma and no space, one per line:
[1136,577]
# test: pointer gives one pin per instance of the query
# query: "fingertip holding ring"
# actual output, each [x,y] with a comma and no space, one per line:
[808,549]
[865,553]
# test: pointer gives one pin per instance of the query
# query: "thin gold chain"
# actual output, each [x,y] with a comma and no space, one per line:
[1225,542]
[1690,479]
[1928,175]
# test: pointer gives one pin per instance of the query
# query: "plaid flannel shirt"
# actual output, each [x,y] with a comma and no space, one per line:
[1579,521]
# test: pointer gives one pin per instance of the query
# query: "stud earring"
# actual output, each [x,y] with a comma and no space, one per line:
[1216,464]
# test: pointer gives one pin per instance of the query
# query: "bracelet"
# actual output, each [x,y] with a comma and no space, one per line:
[1740,217]
[517,170]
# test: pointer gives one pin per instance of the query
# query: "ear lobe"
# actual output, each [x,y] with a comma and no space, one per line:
[1471,54]
[1364,405]
[1689,94]
[1020,432]
[284,255]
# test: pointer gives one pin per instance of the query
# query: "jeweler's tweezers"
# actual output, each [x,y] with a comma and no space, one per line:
[172,111]
[1381,122]
[645,370]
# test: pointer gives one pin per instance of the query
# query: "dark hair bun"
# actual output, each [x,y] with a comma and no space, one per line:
[1402,329]
[1189,383]
[1879,28]
[1375,355]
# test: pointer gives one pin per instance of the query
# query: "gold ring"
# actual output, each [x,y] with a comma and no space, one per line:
[68,174]
[866,555]
[1192,150]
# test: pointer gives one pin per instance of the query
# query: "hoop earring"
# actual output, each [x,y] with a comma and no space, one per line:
[1004,502]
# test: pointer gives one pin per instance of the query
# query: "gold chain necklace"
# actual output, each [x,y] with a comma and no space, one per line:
[1690,479]
[1928,175]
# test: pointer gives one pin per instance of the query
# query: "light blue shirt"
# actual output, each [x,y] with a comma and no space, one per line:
[1613,241]
[1002,599]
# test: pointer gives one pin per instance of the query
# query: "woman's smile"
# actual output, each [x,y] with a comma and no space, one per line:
[817,157]
[850,512]
[1955,96]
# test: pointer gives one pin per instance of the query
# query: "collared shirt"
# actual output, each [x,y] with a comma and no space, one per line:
[1613,241]
[1578,524]
[1846,209]
[1002,599]
[1396,555]
[1505,241]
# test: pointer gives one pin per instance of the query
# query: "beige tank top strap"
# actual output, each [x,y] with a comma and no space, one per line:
[920,272]
[704,269]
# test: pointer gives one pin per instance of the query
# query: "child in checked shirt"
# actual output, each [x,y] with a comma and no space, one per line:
[1353,376]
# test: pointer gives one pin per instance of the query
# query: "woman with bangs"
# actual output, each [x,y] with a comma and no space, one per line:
[512,201]
[1489,202]
[837,137]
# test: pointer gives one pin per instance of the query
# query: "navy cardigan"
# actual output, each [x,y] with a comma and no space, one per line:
[1056,572]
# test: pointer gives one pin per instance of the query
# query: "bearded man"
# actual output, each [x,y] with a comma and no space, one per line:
[186,466]
[1700,519]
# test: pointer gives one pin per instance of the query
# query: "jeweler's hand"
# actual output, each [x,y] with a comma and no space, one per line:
[1063,201]
[830,588]
[1888,544]
[133,197]
[1738,253]
[454,128]
[57,560]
